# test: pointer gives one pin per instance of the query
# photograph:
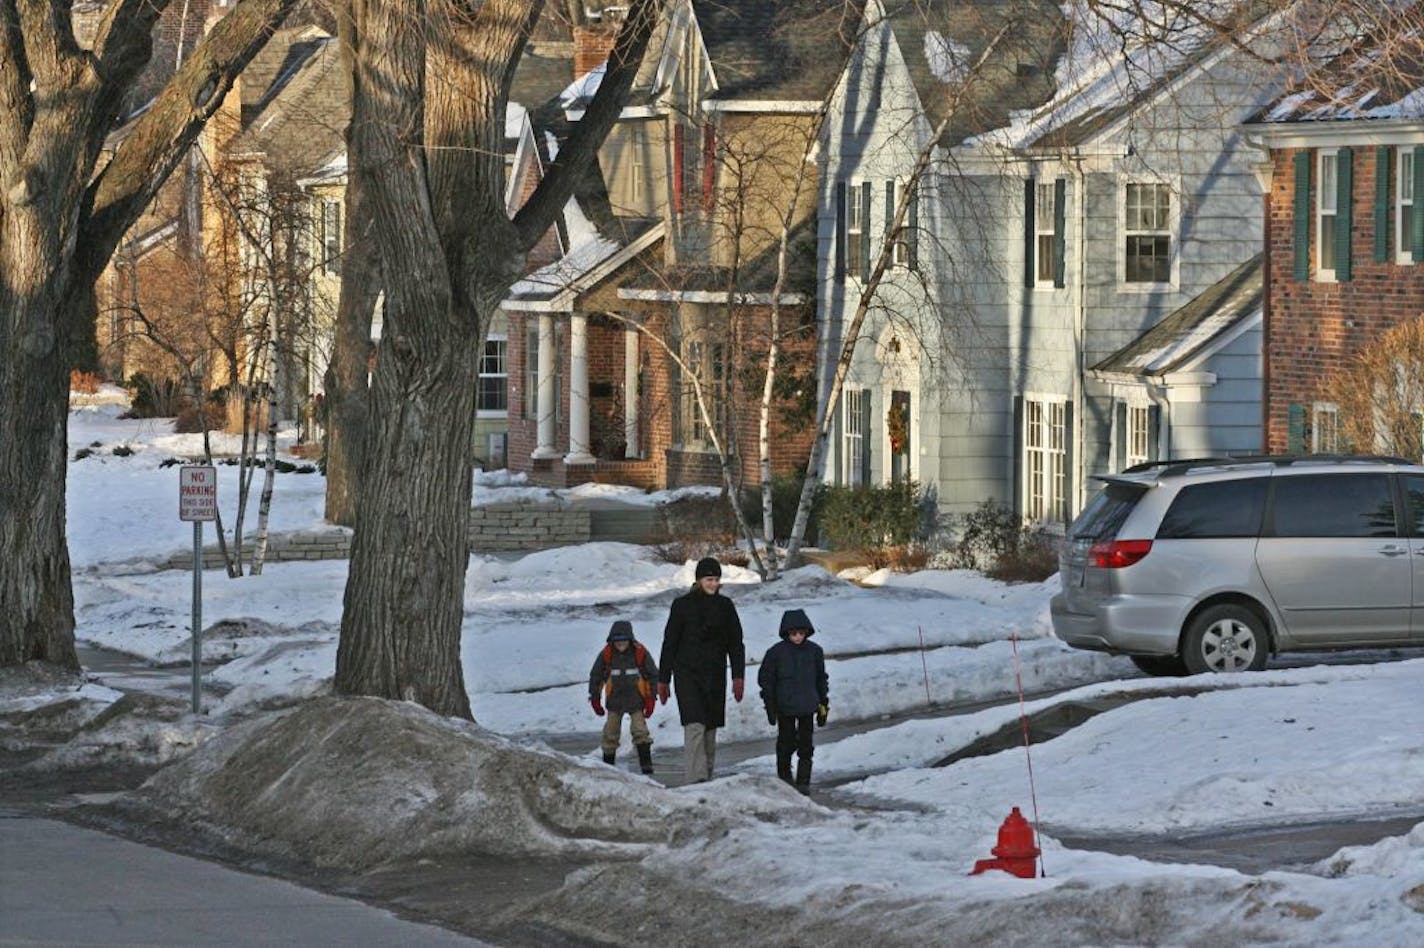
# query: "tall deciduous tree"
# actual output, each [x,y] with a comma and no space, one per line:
[430,85]
[61,217]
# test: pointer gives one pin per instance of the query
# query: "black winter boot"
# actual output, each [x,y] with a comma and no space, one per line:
[783,766]
[609,756]
[645,757]
[803,775]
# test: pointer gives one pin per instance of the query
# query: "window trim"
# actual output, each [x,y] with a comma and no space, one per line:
[1172,232]
[854,233]
[1054,502]
[331,248]
[1137,411]
[1322,193]
[1403,211]
[481,375]
[1319,411]
[900,249]
[853,461]
[1045,205]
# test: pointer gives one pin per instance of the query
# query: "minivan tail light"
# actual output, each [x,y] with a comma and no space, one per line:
[1115,554]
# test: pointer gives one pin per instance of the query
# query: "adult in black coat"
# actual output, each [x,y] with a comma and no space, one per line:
[702,638]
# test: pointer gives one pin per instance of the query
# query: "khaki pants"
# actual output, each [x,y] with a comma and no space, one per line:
[613,730]
[699,746]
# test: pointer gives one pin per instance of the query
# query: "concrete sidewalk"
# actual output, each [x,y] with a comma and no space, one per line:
[66,885]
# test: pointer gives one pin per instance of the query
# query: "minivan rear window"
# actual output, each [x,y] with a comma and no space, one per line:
[1105,513]
[1217,509]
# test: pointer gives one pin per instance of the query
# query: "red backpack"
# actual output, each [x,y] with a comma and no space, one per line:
[639,653]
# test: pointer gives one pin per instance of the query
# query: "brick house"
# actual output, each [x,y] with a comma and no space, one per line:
[667,286]
[1344,238]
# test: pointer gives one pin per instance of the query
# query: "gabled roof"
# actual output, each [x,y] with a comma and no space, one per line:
[1189,332]
[1374,77]
[300,119]
[791,50]
[757,276]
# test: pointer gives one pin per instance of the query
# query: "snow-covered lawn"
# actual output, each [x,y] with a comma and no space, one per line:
[1290,745]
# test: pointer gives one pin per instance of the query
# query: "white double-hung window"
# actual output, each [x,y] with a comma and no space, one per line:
[1325,215]
[1147,233]
[1045,454]
[1404,205]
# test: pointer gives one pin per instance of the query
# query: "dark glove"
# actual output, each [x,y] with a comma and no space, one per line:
[662,692]
[597,706]
[738,685]
[823,711]
[648,706]
[770,715]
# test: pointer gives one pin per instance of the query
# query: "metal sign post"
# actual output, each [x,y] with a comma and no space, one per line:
[197,501]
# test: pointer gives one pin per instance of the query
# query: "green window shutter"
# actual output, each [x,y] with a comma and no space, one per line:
[1154,433]
[865,232]
[1017,454]
[1344,211]
[1383,176]
[1295,429]
[889,212]
[913,238]
[1416,223]
[1120,424]
[1029,271]
[866,419]
[1301,225]
[1060,237]
[840,273]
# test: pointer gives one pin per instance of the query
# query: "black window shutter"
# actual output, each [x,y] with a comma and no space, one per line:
[1344,211]
[1416,228]
[1295,429]
[866,440]
[865,232]
[1070,493]
[1120,426]
[1301,225]
[1030,273]
[913,238]
[1060,237]
[890,215]
[1382,194]
[1017,457]
[1154,429]
[840,273]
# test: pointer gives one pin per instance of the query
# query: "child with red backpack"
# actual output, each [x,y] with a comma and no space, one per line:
[622,682]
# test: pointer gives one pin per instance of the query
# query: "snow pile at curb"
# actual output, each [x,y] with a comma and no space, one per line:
[355,782]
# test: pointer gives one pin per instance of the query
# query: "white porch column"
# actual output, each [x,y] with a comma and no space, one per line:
[546,394]
[630,394]
[578,391]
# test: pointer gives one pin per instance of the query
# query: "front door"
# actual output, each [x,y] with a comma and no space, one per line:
[1335,561]
[898,429]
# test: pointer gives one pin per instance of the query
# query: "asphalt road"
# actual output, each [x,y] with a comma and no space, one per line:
[66,885]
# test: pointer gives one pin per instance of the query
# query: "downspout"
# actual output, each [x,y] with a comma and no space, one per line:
[1079,329]
[1157,391]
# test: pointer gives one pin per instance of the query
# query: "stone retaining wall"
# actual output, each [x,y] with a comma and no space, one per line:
[496,528]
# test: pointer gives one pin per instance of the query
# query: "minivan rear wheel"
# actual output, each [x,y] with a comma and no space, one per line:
[1226,638]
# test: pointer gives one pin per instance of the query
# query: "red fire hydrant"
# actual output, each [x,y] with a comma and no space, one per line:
[1016,852]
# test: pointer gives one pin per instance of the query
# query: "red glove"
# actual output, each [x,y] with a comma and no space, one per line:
[597,706]
[648,706]
[737,685]
[662,692]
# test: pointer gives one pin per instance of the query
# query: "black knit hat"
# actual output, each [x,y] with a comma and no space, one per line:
[796,619]
[622,631]
[708,566]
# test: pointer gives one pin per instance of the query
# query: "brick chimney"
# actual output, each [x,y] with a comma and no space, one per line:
[592,44]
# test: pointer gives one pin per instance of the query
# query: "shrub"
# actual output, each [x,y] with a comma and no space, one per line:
[187,421]
[696,527]
[85,383]
[122,451]
[994,540]
[153,398]
[785,498]
[83,453]
[872,519]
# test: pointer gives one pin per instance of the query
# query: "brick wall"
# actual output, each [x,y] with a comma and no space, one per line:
[1312,328]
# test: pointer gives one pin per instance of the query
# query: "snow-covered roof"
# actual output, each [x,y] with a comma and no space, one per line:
[1185,334]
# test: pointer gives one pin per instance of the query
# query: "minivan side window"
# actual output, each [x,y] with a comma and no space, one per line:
[1105,513]
[1414,490]
[1333,505]
[1219,509]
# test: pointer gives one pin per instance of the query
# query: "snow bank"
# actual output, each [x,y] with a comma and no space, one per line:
[354,782]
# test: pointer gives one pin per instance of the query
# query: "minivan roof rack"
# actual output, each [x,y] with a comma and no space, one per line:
[1183,465]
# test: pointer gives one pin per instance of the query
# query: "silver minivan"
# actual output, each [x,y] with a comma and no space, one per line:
[1212,565]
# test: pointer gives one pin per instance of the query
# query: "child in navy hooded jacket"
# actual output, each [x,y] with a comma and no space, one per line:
[794,688]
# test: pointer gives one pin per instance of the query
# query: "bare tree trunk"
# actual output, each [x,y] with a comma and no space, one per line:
[347,397]
[264,506]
